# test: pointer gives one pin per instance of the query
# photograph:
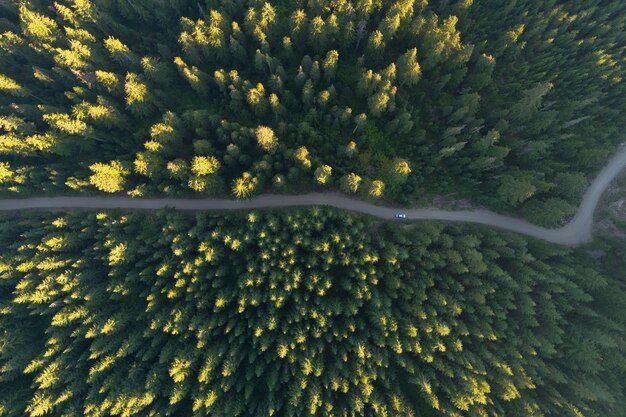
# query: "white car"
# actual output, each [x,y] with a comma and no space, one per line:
[401,216]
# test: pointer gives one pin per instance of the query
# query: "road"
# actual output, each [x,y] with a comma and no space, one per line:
[577,231]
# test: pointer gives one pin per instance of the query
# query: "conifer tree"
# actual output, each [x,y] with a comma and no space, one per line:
[108,177]
[350,183]
[531,88]
[376,188]
[245,185]
[323,173]
[266,138]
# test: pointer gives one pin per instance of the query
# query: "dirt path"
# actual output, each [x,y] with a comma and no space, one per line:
[577,231]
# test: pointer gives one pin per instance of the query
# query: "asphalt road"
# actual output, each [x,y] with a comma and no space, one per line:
[577,231]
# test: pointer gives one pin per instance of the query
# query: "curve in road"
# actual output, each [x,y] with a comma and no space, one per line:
[577,231]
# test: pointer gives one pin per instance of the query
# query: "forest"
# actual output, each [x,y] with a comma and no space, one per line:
[512,104]
[301,313]
[509,104]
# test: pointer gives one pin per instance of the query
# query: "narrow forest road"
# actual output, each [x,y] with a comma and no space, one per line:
[578,230]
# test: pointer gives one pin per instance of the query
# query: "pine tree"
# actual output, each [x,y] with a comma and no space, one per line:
[323,173]
[302,155]
[350,183]
[6,174]
[138,97]
[266,138]
[408,68]
[108,177]
[515,191]
[11,87]
[376,188]
[244,186]
[202,165]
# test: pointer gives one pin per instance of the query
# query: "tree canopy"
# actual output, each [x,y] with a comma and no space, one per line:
[311,312]
[299,313]
[510,105]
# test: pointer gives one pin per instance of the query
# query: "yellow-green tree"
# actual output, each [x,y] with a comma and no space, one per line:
[244,186]
[204,165]
[10,86]
[330,64]
[302,155]
[409,70]
[178,168]
[108,177]
[350,183]
[196,78]
[118,50]
[323,173]
[351,148]
[66,124]
[39,28]
[376,188]
[138,97]
[266,138]
[6,174]
[402,167]
[111,81]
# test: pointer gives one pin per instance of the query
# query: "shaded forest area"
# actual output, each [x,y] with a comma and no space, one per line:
[297,313]
[513,104]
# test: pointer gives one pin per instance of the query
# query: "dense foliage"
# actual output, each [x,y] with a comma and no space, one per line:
[310,312]
[513,103]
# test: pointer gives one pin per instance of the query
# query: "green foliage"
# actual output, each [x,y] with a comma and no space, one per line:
[552,213]
[309,312]
[470,93]
[514,191]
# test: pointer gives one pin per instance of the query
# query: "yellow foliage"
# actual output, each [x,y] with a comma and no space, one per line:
[282,350]
[108,177]
[39,405]
[116,254]
[179,370]
[114,45]
[266,138]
